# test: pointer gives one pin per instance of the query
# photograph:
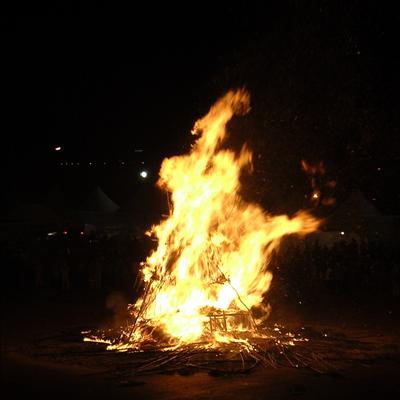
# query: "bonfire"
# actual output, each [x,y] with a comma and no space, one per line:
[209,271]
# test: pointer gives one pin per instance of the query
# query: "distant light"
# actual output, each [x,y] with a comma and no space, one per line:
[51,233]
[90,163]
[81,233]
[315,196]
[379,168]
[143,174]
[342,233]
[58,148]
[65,233]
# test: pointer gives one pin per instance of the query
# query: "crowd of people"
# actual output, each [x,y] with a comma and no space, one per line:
[309,272]
[68,262]
[303,271]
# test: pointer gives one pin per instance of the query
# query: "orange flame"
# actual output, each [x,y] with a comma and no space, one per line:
[214,249]
[316,171]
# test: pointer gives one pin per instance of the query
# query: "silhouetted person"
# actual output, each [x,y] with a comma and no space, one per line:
[395,281]
[65,275]
[39,274]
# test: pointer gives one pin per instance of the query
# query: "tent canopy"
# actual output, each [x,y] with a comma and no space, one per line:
[98,202]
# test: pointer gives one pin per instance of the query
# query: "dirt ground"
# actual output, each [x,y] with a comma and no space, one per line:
[36,327]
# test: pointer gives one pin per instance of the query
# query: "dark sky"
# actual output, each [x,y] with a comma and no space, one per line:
[101,78]
[102,81]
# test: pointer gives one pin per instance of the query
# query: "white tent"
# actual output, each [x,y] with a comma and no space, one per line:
[98,202]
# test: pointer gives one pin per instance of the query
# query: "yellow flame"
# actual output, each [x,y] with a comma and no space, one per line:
[214,249]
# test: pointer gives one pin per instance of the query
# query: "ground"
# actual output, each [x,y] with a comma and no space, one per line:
[42,354]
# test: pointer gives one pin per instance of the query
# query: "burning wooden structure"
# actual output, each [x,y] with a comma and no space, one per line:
[210,268]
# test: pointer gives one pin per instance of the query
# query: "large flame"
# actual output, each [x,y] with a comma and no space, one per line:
[214,249]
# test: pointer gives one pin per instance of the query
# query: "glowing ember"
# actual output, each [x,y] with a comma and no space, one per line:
[211,264]
[316,173]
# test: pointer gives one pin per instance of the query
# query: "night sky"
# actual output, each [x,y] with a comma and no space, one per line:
[102,81]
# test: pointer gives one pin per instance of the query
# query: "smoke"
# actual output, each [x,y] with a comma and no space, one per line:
[117,303]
